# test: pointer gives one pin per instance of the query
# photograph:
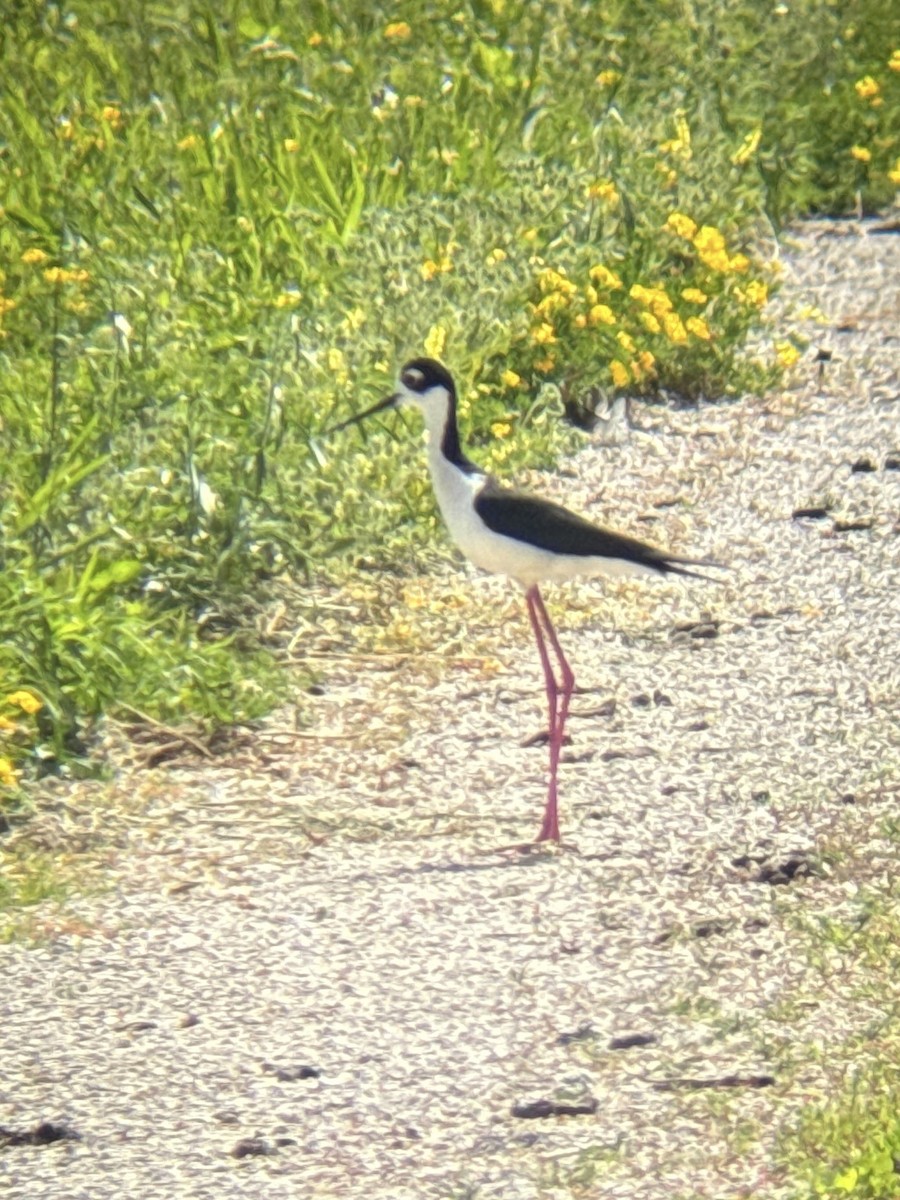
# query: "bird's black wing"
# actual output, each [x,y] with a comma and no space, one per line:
[551,527]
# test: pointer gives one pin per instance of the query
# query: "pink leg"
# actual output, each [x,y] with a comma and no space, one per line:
[543,629]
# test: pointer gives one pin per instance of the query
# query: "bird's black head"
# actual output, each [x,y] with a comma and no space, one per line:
[424,383]
[422,375]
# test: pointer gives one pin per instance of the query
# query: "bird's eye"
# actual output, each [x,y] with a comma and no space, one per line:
[413,378]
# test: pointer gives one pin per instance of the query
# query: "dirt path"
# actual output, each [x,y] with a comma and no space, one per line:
[314,978]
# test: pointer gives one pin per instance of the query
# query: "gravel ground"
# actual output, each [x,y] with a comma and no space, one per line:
[317,976]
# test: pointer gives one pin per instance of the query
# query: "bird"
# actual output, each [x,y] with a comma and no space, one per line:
[527,538]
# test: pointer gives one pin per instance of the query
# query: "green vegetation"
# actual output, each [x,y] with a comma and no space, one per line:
[849,1144]
[28,877]
[224,226]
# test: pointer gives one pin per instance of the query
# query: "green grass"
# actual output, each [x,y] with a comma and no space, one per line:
[850,1145]
[29,877]
[224,226]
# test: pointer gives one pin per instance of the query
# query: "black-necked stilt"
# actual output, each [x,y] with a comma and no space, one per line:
[510,533]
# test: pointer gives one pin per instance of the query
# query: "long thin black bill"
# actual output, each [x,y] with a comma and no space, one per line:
[387,402]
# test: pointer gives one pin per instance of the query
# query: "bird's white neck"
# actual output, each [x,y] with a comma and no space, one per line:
[436,416]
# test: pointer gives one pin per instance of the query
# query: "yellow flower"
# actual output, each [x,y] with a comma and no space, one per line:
[738,263]
[430,268]
[810,312]
[497,255]
[501,429]
[747,148]
[619,373]
[7,725]
[608,78]
[674,329]
[188,142]
[579,321]
[27,701]
[625,340]
[8,773]
[716,260]
[681,143]
[708,240]
[556,281]
[786,353]
[647,361]
[288,297]
[894,60]
[694,295]
[545,365]
[529,235]
[510,379]
[291,145]
[315,39]
[544,334]
[603,189]
[756,293]
[335,361]
[649,322]
[866,87]
[698,327]
[894,174]
[60,275]
[605,277]
[655,298]
[112,115]
[861,154]
[551,302]
[34,256]
[413,102]
[7,305]
[678,223]
[601,314]
[435,341]
[397,31]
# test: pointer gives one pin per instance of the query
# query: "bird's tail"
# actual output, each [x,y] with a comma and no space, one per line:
[671,564]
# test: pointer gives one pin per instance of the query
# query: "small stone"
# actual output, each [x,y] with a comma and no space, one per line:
[583,1033]
[187,941]
[45,1133]
[631,1040]
[251,1146]
[292,1074]
[540,1109]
